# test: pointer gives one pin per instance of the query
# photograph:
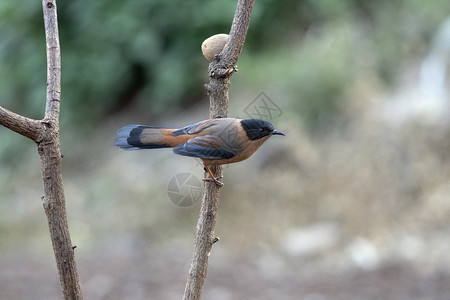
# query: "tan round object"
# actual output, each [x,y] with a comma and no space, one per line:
[213,45]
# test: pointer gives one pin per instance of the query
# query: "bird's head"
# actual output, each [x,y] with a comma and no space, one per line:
[257,129]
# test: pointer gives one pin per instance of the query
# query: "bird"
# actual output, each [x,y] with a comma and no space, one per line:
[215,141]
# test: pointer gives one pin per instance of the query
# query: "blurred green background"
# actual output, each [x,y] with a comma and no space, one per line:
[354,203]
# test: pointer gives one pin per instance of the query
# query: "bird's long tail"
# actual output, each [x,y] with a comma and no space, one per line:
[135,137]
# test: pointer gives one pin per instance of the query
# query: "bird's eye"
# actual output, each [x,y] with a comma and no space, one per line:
[261,129]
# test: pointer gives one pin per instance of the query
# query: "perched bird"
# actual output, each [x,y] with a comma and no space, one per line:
[215,141]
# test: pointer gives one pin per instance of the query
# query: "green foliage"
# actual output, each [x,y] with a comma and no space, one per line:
[146,54]
[114,54]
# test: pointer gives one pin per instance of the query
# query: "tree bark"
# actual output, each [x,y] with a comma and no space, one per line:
[45,133]
[27,127]
[220,70]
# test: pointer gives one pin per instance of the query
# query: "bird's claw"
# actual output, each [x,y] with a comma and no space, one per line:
[215,180]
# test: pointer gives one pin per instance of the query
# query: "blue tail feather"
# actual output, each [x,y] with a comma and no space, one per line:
[129,138]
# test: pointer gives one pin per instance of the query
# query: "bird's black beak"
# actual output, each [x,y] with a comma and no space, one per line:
[277,132]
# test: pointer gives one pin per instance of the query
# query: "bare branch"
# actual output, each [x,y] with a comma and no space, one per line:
[52,106]
[238,31]
[220,70]
[28,127]
[25,126]
[224,63]
[51,162]
[204,239]
[46,134]
[223,66]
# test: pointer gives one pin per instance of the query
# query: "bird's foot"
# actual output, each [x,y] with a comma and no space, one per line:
[212,177]
[215,180]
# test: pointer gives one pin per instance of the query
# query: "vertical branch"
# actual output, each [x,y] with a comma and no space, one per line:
[51,162]
[52,106]
[220,71]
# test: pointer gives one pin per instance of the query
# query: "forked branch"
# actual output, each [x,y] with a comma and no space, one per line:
[45,133]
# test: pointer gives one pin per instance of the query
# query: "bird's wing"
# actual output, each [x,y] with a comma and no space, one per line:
[206,147]
[195,128]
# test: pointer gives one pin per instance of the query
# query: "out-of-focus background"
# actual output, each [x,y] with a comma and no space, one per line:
[354,203]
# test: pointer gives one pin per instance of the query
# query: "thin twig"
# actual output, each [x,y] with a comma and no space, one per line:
[52,106]
[220,70]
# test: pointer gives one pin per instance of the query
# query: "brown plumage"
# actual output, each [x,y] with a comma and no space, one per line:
[214,141]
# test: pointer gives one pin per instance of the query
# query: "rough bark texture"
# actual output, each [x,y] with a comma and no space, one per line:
[22,125]
[45,133]
[54,206]
[219,70]
[51,161]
